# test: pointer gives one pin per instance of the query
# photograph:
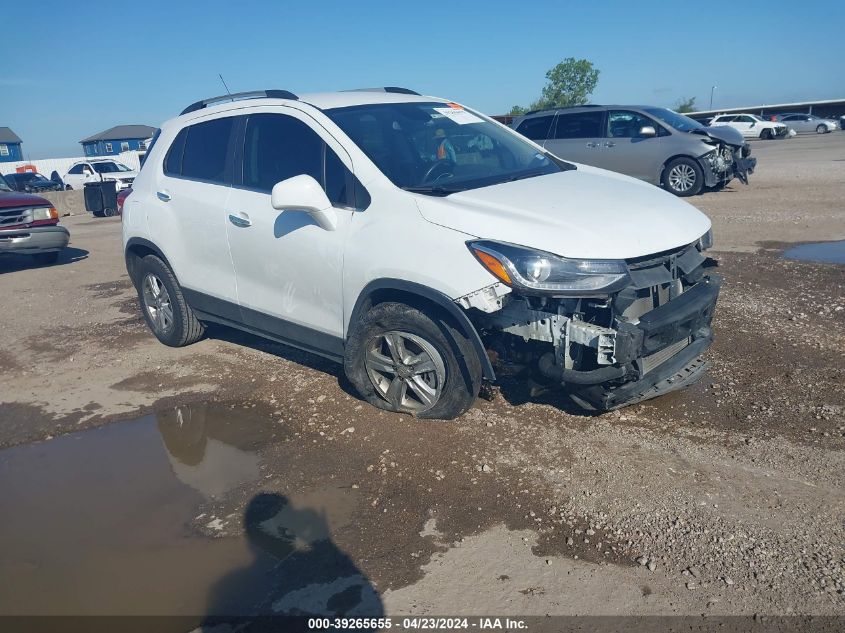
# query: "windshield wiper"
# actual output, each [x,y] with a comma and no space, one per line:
[433,190]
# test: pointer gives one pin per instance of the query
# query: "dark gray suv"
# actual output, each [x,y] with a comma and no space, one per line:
[654,144]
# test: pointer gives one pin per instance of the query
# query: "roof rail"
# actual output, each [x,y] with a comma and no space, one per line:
[394,89]
[253,94]
[583,105]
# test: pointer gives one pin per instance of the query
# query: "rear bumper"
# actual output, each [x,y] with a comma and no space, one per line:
[659,354]
[31,241]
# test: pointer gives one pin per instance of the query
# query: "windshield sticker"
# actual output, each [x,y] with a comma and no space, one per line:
[459,116]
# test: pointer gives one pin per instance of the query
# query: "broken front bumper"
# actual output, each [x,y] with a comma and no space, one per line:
[657,354]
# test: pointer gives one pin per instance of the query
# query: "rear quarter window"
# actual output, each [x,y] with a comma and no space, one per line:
[201,152]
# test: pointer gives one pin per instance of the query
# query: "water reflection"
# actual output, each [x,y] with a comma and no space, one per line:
[126,495]
[196,437]
[826,252]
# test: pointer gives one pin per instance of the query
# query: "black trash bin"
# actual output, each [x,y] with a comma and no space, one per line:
[101,198]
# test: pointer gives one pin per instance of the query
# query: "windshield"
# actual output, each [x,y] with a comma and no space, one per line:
[678,121]
[441,148]
[109,168]
[4,186]
[756,117]
[32,177]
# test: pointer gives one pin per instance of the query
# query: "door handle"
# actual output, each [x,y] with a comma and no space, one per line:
[610,144]
[239,221]
[590,144]
[163,196]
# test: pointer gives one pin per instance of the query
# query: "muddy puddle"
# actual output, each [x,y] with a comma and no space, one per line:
[120,520]
[825,252]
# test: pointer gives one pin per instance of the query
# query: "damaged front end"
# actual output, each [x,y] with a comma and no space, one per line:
[731,157]
[640,336]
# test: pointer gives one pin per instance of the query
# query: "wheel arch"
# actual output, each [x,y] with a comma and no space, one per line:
[420,296]
[136,249]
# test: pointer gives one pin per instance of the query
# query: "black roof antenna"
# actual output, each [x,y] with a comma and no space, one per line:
[228,92]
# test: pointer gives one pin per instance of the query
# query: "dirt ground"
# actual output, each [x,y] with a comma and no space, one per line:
[725,498]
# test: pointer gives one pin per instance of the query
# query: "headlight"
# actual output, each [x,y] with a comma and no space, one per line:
[44,214]
[545,273]
[706,240]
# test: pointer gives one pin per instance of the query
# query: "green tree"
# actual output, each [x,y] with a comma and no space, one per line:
[517,110]
[570,83]
[685,105]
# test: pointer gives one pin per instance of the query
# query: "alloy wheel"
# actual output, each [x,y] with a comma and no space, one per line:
[158,304]
[682,177]
[406,370]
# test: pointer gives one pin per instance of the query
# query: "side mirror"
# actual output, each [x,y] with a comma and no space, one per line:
[648,131]
[303,193]
[753,123]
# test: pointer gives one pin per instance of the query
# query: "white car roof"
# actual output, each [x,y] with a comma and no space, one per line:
[320,100]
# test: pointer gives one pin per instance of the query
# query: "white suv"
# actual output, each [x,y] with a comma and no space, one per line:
[95,170]
[420,244]
[751,125]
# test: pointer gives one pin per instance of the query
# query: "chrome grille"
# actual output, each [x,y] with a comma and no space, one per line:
[13,217]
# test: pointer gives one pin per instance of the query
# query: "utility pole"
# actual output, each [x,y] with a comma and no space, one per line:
[712,88]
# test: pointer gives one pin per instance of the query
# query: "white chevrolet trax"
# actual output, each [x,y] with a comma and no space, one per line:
[422,245]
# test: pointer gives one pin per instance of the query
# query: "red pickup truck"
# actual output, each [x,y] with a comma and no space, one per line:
[29,225]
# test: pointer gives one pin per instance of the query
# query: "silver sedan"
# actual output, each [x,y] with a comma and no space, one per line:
[803,123]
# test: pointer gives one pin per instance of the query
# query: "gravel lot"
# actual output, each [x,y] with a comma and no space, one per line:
[726,498]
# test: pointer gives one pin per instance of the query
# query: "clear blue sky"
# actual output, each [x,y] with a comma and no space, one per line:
[82,67]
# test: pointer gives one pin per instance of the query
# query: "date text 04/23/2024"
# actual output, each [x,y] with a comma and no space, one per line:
[417,624]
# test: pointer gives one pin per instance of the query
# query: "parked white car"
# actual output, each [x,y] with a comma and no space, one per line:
[751,125]
[97,169]
[808,123]
[417,242]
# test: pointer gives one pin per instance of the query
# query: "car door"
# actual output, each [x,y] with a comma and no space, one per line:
[578,136]
[288,268]
[804,123]
[187,216]
[746,125]
[627,151]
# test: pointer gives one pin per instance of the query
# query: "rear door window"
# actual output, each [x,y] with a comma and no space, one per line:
[579,125]
[537,128]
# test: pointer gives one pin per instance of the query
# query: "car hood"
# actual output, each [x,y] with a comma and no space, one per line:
[723,133]
[117,175]
[586,213]
[9,200]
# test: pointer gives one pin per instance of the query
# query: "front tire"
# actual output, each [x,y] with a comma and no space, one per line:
[766,135]
[683,177]
[402,359]
[165,310]
[822,129]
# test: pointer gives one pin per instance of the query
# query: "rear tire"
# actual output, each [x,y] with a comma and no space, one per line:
[402,359]
[683,177]
[163,305]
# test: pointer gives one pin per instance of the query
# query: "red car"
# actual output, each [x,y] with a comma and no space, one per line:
[122,195]
[29,225]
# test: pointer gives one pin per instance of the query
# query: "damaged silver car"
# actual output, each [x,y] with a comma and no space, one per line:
[654,144]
